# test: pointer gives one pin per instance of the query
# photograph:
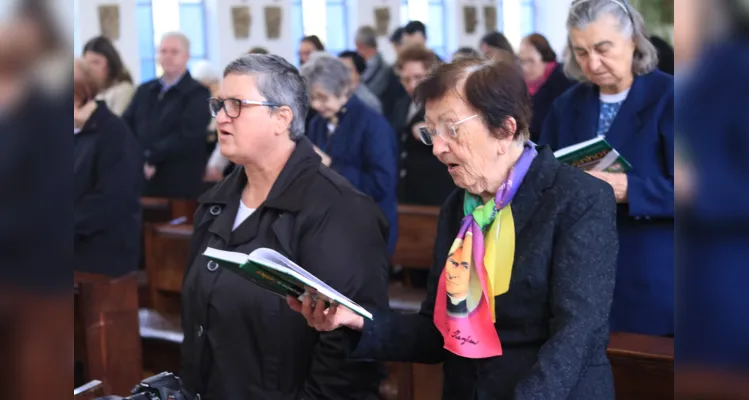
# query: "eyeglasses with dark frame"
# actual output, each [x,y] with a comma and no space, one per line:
[233,107]
[426,134]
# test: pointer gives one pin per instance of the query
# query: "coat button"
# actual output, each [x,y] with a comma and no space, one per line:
[403,173]
[197,396]
[403,155]
[201,331]
[212,265]
[637,218]
[215,210]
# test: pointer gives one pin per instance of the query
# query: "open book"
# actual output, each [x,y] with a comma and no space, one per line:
[593,155]
[271,270]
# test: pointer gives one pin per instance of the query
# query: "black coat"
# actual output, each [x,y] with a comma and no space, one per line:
[555,85]
[171,127]
[108,170]
[553,322]
[423,179]
[242,342]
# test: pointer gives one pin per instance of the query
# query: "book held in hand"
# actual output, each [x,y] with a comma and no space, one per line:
[593,155]
[272,271]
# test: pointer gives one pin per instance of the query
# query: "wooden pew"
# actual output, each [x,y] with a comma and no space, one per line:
[714,383]
[166,250]
[417,229]
[107,341]
[160,210]
[643,366]
[89,391]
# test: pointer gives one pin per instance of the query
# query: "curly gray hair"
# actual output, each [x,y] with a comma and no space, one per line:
[328,72]
[583,12]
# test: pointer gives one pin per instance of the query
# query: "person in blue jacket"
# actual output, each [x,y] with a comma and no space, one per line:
[353,139]
[623,97]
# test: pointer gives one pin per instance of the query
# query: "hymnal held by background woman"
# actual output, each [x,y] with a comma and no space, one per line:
[593,155]
[274,272]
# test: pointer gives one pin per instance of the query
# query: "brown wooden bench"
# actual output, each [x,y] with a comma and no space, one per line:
[159,209]
[693,382]
[107,341]
[643,366]
[417,229]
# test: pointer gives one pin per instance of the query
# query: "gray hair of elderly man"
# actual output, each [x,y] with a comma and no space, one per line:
[178,35]
[327,72]
[631,23]
[279,82]
[366,36]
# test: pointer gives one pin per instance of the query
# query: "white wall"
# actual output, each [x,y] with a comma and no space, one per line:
[127,45]
[223,47]
[550,18]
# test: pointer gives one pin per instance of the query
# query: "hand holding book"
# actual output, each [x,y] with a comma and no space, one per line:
[617,180]
[322,318]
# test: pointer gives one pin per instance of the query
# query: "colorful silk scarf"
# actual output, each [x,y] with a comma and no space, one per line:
[478,268]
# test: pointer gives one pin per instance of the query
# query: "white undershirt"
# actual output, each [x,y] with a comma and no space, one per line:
[242,213]
[614,98]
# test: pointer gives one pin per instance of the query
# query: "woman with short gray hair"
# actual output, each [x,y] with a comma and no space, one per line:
[624,98]
[240,341]
[355,140]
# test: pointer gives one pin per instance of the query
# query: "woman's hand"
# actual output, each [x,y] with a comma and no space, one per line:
[324,320]
[618,182]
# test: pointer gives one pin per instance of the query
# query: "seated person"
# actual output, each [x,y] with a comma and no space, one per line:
[107,169]
[355,140]
[241,342]
[356,64]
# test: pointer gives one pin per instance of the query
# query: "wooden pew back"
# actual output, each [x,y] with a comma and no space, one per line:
[417,229]
[107,340]
[166,252]
[643,366]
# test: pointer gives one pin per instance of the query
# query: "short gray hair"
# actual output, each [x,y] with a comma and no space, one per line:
[583,12]
[327,71]
[279,82]
[366,36]
[178,35]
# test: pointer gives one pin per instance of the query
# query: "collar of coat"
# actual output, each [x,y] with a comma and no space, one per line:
[287,192]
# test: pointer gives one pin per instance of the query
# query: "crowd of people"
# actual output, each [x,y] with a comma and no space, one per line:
[536,262]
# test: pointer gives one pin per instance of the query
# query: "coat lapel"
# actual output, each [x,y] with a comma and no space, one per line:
[586,118]
[540,176]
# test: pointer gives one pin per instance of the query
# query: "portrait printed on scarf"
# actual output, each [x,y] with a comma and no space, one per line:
[462,282]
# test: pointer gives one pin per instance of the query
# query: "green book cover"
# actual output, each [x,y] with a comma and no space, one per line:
[274,272]
[593,155]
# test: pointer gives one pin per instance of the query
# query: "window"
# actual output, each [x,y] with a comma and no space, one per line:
[432,14]
[516,19]
[157,17]
[327,19]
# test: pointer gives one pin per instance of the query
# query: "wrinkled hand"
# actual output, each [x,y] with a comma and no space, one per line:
[325,158]
[324,320]
[149,171]
[618,182]
[415,130]
[684,182]
[213,174]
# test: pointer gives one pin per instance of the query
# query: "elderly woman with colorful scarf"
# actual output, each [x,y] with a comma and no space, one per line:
[519,294]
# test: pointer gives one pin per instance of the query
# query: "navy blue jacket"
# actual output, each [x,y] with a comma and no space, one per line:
[553,321]
[108,170]
[643,132]
[363,150]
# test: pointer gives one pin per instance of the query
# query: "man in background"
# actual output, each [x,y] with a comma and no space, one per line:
[356,65]
[415,33]
[169,116]
[377,73]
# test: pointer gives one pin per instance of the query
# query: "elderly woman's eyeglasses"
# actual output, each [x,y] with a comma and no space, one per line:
[427,134]
[233,107]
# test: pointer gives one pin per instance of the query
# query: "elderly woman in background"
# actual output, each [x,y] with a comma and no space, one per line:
[354,139]
[544,77]
[494,42]
[107,170]
[422,178]
[519,294]
[113,79]
[204,72]
[241,341]
[624,98]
